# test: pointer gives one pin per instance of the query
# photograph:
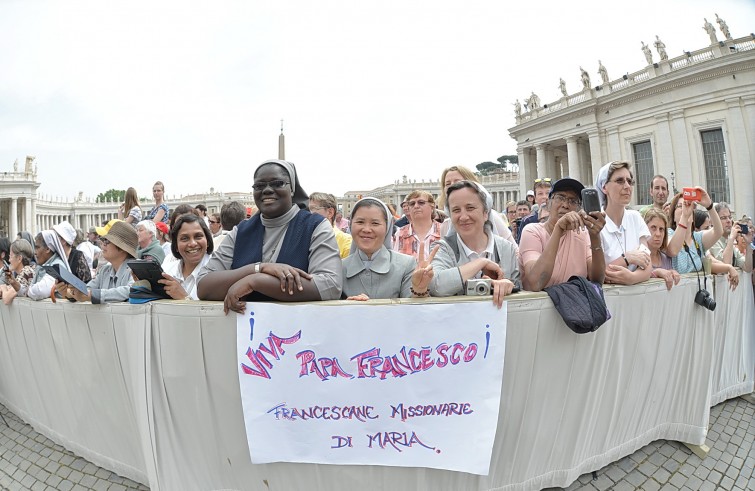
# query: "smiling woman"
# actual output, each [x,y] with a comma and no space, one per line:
[284,252]
[372,270]
[472,250]
[191,243]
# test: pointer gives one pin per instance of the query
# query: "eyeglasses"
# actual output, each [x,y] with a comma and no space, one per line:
[624,180]
[544,179]
[313,208]
[419,202]
[563,199]
[214,221]
[274,184]
[104,241]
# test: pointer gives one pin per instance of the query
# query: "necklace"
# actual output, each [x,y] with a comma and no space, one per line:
[619,234]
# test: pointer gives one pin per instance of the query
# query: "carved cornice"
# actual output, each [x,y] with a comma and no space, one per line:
[653,87]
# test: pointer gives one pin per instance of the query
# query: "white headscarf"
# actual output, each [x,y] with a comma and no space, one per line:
[388,222]
[600,181]
[52,241]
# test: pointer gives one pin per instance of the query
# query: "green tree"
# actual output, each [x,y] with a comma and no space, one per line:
[513,159]
[114,195]
[486,167]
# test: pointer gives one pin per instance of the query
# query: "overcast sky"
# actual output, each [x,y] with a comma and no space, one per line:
[111,95]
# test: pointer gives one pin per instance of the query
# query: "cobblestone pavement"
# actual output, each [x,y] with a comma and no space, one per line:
[665,465]
[29,460]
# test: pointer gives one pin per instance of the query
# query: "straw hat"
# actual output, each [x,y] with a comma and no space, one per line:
[104,230]
[123,235]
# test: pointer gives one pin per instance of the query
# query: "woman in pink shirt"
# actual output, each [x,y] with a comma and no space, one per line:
[422,231]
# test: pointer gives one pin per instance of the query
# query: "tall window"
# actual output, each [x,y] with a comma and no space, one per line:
[716,171]
[643,170]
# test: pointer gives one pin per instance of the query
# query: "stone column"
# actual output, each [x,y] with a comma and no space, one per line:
[552,169]
[526,174]
[541,164]
[748,109]
[614,144]
[573,152]
[27,215]
[680,143]
[13,223]
[739,157]
[664,154]
[596,158]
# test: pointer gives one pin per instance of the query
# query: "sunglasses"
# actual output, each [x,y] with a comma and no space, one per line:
[544,179]
[275,184]
[419,202]
[624,180]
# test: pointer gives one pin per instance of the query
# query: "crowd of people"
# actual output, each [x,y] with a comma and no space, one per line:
[300,247]
[181,241]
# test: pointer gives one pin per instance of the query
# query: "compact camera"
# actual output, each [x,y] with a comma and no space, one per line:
[691,194]
[704,298]
[479,287]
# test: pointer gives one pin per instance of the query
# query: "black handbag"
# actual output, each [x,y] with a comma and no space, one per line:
[580,303]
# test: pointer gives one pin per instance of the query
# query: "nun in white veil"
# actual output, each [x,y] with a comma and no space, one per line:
[48,251]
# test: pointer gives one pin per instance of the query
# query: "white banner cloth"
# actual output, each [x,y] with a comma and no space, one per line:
[399,385]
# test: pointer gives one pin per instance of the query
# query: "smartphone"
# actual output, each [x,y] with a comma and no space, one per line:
[590,200]
[691,194]
[744,228]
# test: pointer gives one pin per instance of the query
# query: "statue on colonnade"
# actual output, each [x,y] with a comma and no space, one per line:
[29,161]
[661,47]
[585,78]
[533,102]
[603,72]
[724,27]
[648,54]
[711,31]
[517,108]
[562,87]
[15,166]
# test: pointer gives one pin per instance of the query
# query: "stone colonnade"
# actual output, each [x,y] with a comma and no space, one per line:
[17,215]
[577,156]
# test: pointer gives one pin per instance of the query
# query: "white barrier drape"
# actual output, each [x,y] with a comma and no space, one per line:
[77,374]
[151,391]
[734,370]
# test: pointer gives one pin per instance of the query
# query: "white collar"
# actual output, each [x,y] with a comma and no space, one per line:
[611,227]
[195,272]
[489,249]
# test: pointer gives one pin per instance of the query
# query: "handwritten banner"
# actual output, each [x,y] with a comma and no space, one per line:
[398,385]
